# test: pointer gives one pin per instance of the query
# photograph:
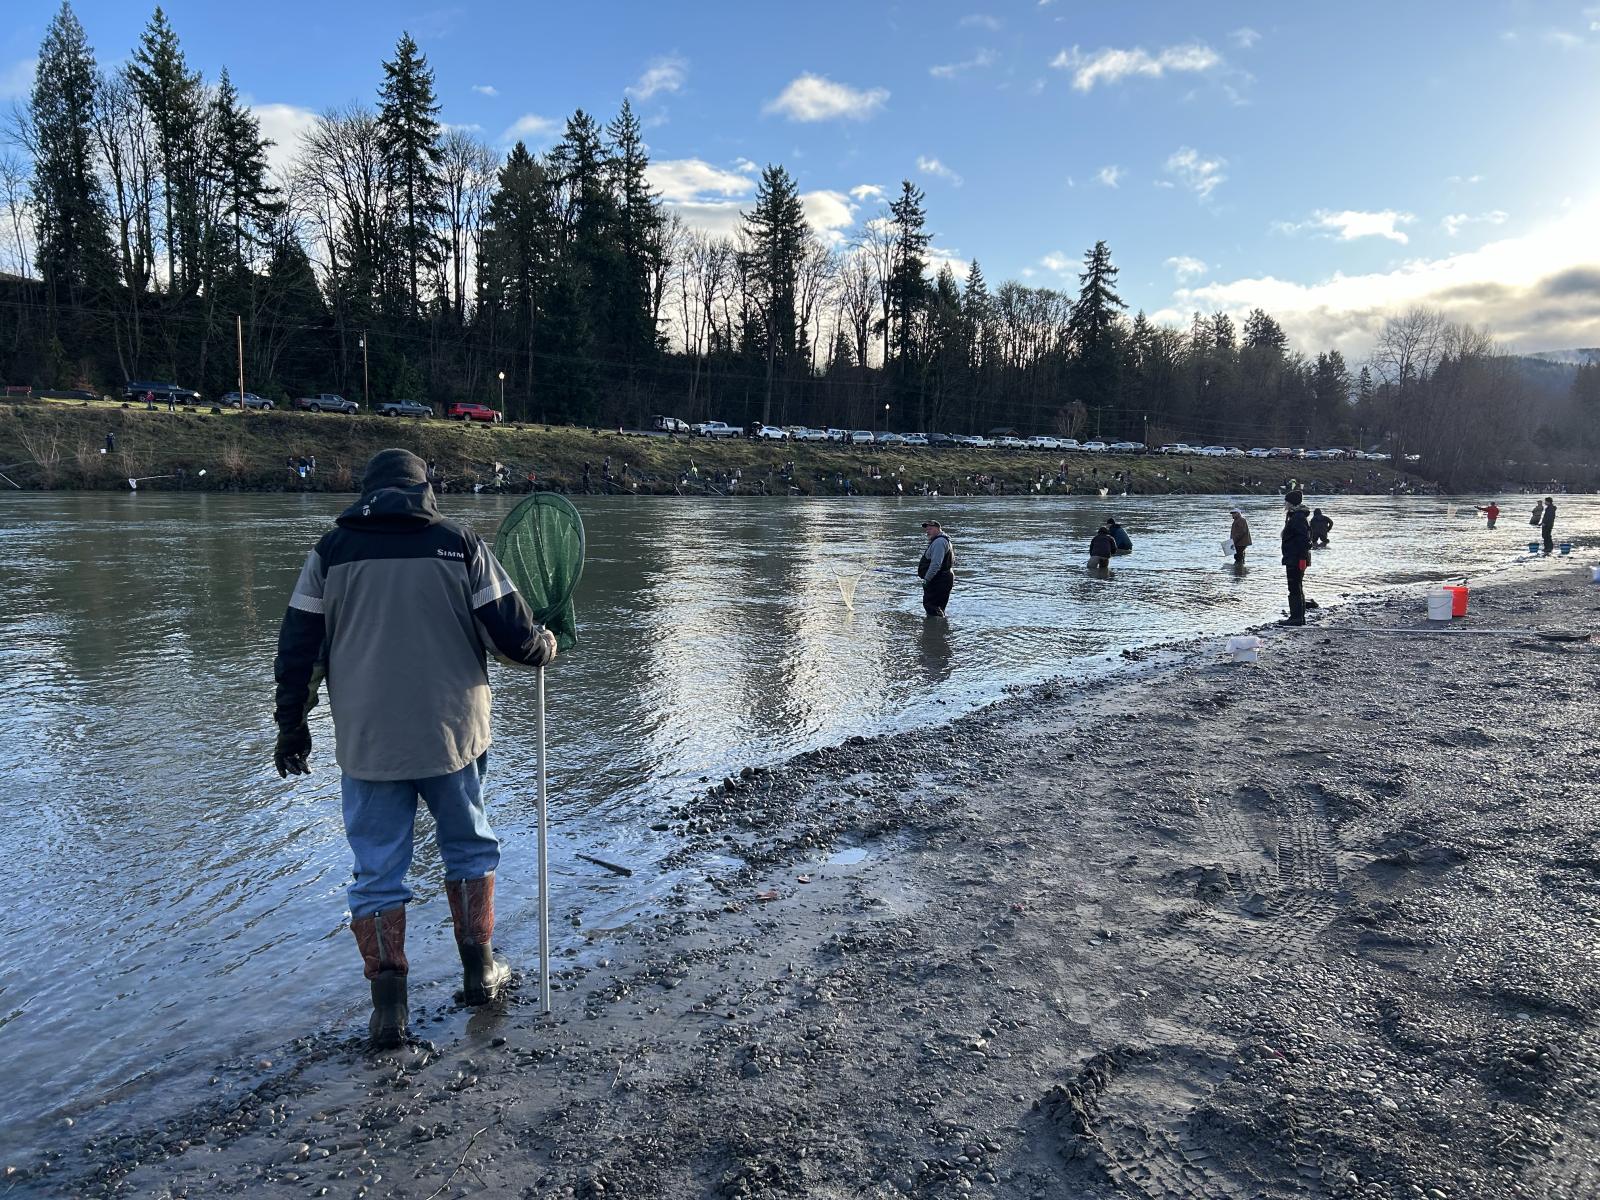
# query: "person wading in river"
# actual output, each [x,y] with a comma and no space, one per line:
[937,570]
[1547,524]
[1296,541]
[1239,535]
[399,609]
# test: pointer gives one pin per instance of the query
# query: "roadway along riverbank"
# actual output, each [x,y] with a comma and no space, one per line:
[1319,926]
[58,445]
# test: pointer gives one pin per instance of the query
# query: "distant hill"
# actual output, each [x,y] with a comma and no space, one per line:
[1573,358]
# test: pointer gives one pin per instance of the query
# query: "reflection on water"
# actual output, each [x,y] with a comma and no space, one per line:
[171,899]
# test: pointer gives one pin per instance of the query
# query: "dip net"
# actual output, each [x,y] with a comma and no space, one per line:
[540,544]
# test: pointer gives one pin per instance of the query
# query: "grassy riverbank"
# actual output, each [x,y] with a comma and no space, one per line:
[45,445]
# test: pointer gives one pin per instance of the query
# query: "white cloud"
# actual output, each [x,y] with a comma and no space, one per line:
[1113,66]
[721,218]
[665,74]
[468,127]
[829,214]
[1185,268]
[1537,290]
[16,81]
[867,191]
[1564,39]
[1467,179]
[939,257]
[530,127]
[932,166]
[486,89]
[1244,37]
[1349,225]
[813,98]
[1454,223]
[1058,262]
[680,180]
[283,125]
[983,58]
[980,21]
[1199,174]
[1110,176]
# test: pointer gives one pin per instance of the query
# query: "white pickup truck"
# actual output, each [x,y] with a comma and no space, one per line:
[712,429]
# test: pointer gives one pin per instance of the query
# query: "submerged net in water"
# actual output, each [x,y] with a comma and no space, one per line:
[540,543]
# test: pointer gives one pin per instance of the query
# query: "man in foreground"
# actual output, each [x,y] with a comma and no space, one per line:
[399,609]
[936,570]
[1296,541]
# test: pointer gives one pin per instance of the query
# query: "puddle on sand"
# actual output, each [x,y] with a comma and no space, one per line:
[850,856]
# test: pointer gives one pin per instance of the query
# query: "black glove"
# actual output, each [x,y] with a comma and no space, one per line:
[294,747]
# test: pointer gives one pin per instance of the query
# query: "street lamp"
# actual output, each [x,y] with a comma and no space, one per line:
[886,418]
[502,394]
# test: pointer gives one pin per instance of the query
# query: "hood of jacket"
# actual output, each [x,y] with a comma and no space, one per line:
[395,495]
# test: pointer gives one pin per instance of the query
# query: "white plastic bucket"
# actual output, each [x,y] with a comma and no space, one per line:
[1227,548]
[1439,605]
[1245,648]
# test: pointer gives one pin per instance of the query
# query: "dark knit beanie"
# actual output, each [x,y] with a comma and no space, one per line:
[1293,499]
[393,468]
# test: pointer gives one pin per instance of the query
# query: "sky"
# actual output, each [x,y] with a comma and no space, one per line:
[1327,162]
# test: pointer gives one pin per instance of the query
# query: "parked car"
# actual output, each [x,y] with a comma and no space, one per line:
[891,439]
[1258,452]
[1040,442]
[915,439]
[1214,451]
[326,402]
[770,433]
[804,433]
[1096,447]
[1127,447]
[979,442]
[251,400]
[669,425]
[713,429]
[943,439]
[862,437]
[1233,452]
[837,435]
[1068,444]
[160,393]
[404,408]
[469,410]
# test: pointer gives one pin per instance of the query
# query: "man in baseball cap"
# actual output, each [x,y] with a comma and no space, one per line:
[936,570]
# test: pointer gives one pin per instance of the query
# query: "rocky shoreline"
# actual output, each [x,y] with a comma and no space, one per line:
[1323,925]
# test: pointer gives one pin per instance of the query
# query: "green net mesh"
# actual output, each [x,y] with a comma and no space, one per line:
[540,544]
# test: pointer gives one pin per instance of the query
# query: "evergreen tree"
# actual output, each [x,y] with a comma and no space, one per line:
[248,203]
[408,138]
[69,213]
[1094,330]
[639,228]
[775,231]
[171,94]
[907,283]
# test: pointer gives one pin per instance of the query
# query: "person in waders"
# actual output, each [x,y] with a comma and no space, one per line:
[1491,512]
[1119,535]
[1101,547]
[1239,535]
[937,570]
[398,609]
[1296,540]
[1320,525]
[1547,524]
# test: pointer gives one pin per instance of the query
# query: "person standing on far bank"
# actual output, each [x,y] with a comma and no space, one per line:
[1239,535]
[1547,524]
[1296,542]
[399,609]
[937,570]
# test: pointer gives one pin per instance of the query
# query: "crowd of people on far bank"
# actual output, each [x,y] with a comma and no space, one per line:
[1304,529]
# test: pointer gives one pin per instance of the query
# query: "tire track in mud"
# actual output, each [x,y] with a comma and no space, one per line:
[1283,890]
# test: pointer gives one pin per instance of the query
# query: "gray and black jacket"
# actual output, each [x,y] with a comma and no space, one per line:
[399,608]
[938,561]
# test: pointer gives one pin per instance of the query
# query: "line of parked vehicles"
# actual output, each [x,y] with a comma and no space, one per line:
[151,392]
[1003,441]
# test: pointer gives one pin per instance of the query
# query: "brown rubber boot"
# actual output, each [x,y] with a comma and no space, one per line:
[472,910]
[381,939]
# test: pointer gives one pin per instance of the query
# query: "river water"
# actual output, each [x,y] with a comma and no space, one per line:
[169,902]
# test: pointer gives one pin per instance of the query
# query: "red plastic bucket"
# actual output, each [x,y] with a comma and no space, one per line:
[1458,601]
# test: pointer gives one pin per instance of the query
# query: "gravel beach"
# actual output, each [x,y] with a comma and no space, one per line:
[1323,925]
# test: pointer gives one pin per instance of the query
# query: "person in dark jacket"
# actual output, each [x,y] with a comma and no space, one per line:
[936,570]
[1296,541]
[398,609]
[1547,524]
[1119,535]
[1239,535]
[1319,525]
[1101,547]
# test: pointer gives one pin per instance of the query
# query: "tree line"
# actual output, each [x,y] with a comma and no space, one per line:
[401,258]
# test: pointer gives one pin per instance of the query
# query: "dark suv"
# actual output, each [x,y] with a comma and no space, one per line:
[160,393]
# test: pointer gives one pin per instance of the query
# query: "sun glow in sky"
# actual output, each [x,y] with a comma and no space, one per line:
[1326,162]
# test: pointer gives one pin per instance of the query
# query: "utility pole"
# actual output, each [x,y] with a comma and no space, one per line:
[366,391]
[238,329]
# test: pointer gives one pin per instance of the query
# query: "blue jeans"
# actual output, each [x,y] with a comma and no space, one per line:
[380,820]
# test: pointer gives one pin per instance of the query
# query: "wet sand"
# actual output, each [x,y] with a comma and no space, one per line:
[1325,925]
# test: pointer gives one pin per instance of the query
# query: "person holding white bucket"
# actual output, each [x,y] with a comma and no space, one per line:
[1296,541]
[1239,535]
[1547,524]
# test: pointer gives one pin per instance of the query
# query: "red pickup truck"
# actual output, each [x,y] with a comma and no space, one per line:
[465,411]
